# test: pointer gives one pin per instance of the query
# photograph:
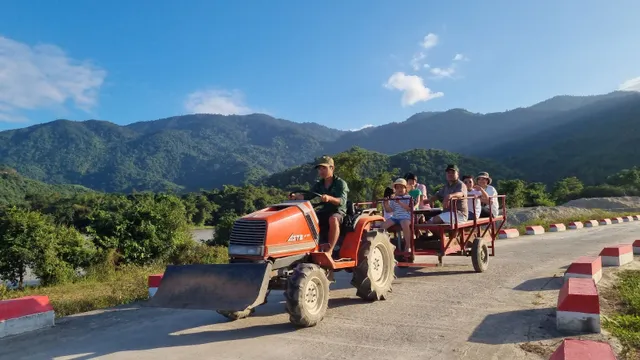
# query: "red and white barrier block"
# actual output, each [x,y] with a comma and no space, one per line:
[535,230]
[636,217]
[557,227]
[574,349]
[154,283]
[25,314]
[617,220]
[627,218]
[575,225]
[636,247]
[605,222]
[591,223]
[508,233]
[578,309]
[617,255]
[585,267]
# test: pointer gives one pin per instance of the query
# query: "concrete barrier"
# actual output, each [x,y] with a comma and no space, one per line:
[591,223]
[605,221]
[585,267]
[636,247]
[627,218]
[617,220]
[535,230]
[617,255]
[636,217]
[25,314]
[575,225]
[557,227]
[154,283]
[508,233]
[574,349]
[578,309]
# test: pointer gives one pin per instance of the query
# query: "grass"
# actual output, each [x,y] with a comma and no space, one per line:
[625,323]
[100,288]
[592,215]
[203,227]
[103,286]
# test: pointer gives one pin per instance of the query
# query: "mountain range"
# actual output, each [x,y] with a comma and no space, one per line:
[586,136]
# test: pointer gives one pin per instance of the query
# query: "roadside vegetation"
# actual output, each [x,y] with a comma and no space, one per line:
[624,324]
[92,250]
[595,214]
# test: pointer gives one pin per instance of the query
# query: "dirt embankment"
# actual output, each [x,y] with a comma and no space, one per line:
[574,209]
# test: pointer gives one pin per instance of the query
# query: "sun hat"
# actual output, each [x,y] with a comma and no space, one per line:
[485,175]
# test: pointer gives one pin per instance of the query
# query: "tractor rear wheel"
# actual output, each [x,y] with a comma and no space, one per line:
[375,272]
[307,295]
[479,255]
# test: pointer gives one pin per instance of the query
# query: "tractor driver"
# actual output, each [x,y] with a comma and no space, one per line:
[334,192]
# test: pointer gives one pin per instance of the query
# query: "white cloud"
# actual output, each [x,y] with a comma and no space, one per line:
[416,60]
[41,76]
[362,127]
[460,57]
[630,85]
[413,88]
[221,102]
[440,73]
[430,41]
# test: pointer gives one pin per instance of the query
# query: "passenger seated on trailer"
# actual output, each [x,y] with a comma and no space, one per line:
[452,189]
[489,194]
[401,209]
[471,192]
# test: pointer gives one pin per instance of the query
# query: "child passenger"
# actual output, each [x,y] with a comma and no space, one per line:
[401,211]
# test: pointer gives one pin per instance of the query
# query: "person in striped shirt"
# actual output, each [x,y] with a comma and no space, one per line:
[400,206]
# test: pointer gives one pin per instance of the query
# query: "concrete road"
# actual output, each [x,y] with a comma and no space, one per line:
[445,313]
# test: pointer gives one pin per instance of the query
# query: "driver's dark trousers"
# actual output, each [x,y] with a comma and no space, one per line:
[323,222]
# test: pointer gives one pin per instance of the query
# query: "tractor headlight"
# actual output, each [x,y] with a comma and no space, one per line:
[246,250]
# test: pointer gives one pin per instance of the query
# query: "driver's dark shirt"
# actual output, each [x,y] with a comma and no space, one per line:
[338,189]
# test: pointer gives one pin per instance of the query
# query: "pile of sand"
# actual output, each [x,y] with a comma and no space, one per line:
[573,209]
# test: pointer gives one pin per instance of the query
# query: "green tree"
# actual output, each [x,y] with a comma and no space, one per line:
[515,191]
[29,239]
[567,189]
[536,195]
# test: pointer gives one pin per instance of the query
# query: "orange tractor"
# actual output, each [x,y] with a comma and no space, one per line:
[277,248]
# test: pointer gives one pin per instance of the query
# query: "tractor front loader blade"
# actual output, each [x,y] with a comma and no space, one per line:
[226,287]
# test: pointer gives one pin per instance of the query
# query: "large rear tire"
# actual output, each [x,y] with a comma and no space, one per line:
[479,255]
[307,295]
[375,272]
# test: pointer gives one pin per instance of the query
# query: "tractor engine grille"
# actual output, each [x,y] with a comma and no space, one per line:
[248,232]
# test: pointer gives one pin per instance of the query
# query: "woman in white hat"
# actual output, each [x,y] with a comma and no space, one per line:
[401,209]
[489,194]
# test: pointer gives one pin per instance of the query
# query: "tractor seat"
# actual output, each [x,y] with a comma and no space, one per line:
[351,208]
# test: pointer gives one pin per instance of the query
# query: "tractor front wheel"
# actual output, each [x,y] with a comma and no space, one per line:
[375,272]
[307,295]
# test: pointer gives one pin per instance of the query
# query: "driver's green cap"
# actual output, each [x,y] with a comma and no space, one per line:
[324,161]
[452,167]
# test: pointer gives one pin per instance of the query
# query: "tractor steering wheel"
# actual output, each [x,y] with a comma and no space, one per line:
[309,192]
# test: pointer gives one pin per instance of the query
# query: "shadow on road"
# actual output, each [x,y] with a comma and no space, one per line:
[541,284]
[415,272]
[516,326]
[134,329]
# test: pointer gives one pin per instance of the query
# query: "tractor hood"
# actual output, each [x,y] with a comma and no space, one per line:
[279,230]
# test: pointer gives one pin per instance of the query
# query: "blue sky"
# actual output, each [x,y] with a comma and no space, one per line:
[338,63]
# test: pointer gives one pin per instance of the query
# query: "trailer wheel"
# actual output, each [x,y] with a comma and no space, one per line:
[307,295]
[375,272]
[479,255]
[236,315]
